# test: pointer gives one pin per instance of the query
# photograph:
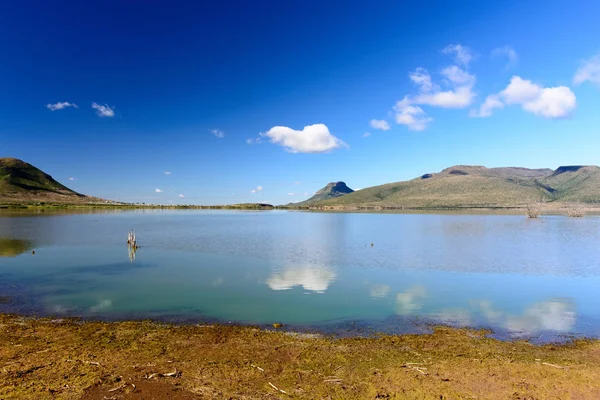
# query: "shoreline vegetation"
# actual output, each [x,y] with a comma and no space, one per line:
[568,209]
[73,359]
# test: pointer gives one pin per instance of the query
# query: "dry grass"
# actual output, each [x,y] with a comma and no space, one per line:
[44,359]
[574,211]
[533,210]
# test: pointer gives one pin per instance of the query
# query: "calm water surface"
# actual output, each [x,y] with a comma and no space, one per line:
[522,278]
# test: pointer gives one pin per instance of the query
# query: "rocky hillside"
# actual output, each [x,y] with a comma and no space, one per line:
[21,182]
[331,191]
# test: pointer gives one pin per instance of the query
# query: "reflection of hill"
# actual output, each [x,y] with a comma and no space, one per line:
[13,247]
[313,278]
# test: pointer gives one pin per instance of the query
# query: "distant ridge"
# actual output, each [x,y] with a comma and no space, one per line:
[21,182]
[468,186]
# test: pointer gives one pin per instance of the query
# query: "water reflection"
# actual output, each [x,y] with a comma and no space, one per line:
[13,247]
[313,278]
[410,301]
[380,291]
[131,250]
[558,315]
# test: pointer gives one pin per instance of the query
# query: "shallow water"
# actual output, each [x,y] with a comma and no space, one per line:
[522,278]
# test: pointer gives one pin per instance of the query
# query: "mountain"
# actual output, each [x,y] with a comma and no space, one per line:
[330,191]
[464,186]
[21,182]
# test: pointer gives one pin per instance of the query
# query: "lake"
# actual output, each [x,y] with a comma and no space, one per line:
[340,272]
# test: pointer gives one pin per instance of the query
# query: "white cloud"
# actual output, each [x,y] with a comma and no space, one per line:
[462,54]
[366,134]
[412,116]
[218,133]
[257,189]
[256,140]
[60,105]
[291,194]
[485,110]
[312,139]
[181,196]
[167,173]
[457,94]
[297,182]
[379,124]
[313,278]
[422,79]
[104,110]
[157,190]
[508,52]
[550,102]
[71,178]
[588,71]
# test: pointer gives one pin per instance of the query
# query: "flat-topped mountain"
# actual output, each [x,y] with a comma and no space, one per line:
[330,191]
[464,186]
[21,182]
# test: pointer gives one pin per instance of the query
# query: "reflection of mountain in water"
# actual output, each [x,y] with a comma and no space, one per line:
[314,278]
[13,247]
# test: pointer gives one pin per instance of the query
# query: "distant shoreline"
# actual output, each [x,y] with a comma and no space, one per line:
[546,208]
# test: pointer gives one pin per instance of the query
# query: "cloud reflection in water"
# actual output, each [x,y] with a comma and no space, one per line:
[312,278]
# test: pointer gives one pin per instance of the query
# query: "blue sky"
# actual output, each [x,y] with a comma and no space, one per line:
[219,95]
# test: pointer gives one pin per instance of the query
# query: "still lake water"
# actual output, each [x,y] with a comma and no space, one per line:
[522,278]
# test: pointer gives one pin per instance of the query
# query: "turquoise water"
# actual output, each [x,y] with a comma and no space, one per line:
[519,277]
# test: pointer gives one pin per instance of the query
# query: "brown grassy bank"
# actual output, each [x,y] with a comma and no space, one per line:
[45,359]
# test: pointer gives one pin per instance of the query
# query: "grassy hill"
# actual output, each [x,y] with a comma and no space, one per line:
[476,186]
[21,182]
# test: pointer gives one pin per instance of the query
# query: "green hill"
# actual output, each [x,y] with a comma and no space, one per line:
[21,182]
[476,186]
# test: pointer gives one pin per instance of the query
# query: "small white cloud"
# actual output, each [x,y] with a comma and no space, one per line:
[157,190]
[462,54]
[218,133]
[253,140]
[509,53]
[167,173]
[550,102]
[366,134]
[297,183]
[257,189]
[589,70]
[312,139]
[181,196]
[71,178]
[104,110]
[379,124]
[291,194]
[412,116]
[60,105]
